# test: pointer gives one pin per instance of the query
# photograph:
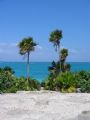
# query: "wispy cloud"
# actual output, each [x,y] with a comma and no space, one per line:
[3,44]
[71,50]
[14,44]
[7,47]
[39,47]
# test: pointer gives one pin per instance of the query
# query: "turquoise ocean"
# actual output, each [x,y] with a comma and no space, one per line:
[39,70]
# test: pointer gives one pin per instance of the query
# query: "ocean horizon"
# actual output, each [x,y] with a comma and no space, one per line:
[39,70]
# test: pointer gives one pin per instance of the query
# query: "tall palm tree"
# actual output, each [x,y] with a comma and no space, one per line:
[26,46]
[67,67]
[55,38]
[54,69]
[64,54]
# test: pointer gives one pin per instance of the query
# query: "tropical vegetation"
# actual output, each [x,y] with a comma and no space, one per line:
[10,83]
[60,77]
[26,46]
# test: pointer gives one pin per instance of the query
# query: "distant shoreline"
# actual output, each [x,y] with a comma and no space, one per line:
[45,61]
[39,70]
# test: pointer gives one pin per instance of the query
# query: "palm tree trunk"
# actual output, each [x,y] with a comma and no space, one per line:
[59,52]
[28,68]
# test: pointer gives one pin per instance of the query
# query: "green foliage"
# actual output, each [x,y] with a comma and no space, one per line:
[32,84]
[27,45]
[64,66]
[10,84]
[54,68]
[8,69]
[55,37]
[21,83]
[69,90]
[50,83]
[7,79]
[83,81]
[85,86]
[67,67]
[69,82]
[66,80]
[64,53]
[84,75]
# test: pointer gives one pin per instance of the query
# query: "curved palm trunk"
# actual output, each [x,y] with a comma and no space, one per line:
[28,68]
[62,66]
[59,57]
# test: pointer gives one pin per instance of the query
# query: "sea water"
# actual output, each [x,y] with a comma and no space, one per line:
[39,70]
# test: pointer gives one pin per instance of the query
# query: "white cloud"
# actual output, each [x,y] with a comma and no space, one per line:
[10,47]
[72,51]
[39,47]
[14,44]
[62,47]
[3,44]
[7,47]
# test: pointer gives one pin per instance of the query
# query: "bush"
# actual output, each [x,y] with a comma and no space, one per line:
[84,75]
[34,84]
[66,80]
[85,87]
[7,80]
[23,84]
[10,84]
[50,83]
[71,89]
[83,81]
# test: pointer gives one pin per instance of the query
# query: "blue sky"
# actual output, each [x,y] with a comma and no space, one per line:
[37,18]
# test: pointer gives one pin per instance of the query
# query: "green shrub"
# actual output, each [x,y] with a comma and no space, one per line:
[85,86]
[34,84]
[50,83]
[31,84]
[7,80]
[21,84]
[66,80]
[71,89]
[10,84]
[13,89]
[85,75]
[83,81]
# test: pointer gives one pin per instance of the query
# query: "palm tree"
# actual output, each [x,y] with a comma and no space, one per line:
[64,54]
[54,69]
[67,67]
[26,46]
[55,38]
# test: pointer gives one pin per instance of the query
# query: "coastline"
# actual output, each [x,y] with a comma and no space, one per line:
[39,70]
